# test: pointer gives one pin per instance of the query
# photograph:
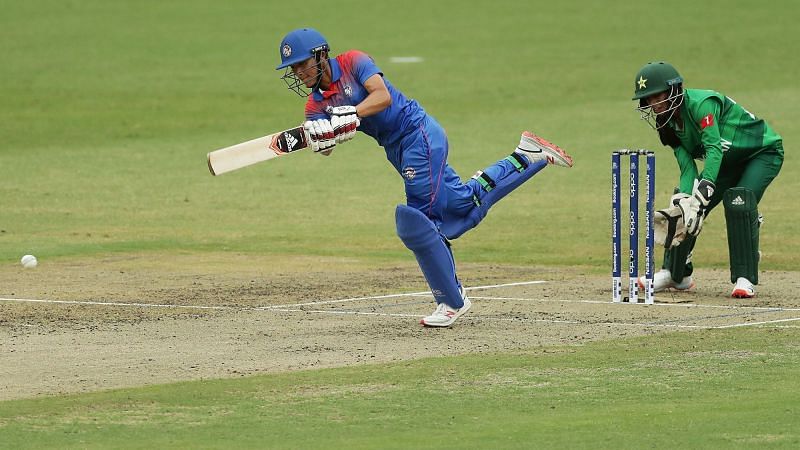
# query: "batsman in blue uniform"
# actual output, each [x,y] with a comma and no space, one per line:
[347,93]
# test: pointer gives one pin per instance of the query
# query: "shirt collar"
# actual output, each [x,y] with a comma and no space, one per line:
[336,73]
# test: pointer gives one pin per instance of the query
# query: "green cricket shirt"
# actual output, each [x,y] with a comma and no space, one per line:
[720,132]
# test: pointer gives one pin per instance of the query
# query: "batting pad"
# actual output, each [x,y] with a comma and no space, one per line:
[433,254]
[505,176]
[741,218]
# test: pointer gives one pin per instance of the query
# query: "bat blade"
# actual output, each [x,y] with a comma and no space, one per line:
[256,150]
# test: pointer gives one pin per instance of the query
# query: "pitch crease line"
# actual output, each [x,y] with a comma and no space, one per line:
[510,319]
[677,305]
[96,303]
[409,294]
[507,319]
[364,313]
[288,305]
[766,322]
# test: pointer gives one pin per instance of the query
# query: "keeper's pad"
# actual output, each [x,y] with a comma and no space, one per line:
[494,189]
[433,254]
[741,217]
[678,259]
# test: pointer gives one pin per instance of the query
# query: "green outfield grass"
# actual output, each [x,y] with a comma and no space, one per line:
[109,108]
[714,389]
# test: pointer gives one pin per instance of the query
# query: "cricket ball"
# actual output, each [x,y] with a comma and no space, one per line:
[29,261]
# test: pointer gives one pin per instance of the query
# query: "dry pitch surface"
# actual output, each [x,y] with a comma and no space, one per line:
[83,325]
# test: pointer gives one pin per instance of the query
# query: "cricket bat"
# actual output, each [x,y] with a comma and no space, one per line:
[257,150]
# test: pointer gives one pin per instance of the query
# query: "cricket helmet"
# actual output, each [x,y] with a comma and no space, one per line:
[655,78]
[299,45]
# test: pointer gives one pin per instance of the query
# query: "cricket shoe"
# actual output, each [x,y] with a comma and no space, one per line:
[662,280]
[444,316]
[743,289]
[536,149]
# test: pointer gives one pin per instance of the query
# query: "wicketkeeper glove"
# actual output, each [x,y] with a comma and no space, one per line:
[677,197]
[320,135]
[345,121]
[693,208]
[669,228]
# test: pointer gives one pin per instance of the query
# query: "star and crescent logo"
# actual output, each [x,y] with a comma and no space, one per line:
[642,82]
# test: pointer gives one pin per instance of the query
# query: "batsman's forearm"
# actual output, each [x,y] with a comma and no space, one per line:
[375,102]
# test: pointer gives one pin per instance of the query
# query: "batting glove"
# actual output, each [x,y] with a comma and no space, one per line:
[320,135]
[345,121]
[694,208]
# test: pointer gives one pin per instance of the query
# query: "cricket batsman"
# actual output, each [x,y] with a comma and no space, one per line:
[348,93]
[741,156]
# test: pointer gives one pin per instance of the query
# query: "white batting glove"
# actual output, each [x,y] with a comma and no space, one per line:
[345,121]
[694,208]
[320,135]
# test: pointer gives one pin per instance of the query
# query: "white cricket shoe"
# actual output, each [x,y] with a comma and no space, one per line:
[536,149]
[743,289]
[444,316]
[662,280]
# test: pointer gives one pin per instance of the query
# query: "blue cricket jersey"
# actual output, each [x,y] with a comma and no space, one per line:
[349,71]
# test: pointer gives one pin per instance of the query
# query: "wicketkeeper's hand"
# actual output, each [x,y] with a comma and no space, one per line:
[669,228]
[694,208]
[320,135]
[677,197]
[345,121]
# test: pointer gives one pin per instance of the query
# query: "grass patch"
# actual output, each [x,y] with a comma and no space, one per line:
[709,389]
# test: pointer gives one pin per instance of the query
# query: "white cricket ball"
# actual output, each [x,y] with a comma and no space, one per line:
[29,261]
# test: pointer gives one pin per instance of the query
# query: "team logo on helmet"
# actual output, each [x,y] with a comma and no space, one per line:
[409,173]
[287,51]
[642,82]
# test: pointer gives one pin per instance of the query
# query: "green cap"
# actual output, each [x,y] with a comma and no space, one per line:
[653,78]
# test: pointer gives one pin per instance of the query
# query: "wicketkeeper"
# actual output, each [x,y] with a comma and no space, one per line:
[349,92]
[741,156]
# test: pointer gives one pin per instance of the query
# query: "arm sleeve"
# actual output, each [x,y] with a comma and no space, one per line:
[708,111]
[363,66]
[688,170]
